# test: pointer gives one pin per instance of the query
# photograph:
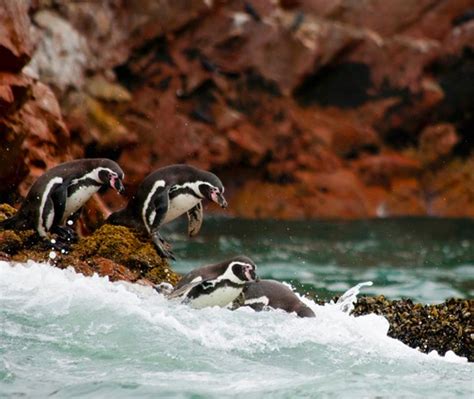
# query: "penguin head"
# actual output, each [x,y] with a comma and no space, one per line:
[242,269]
[212,188]
[111,175]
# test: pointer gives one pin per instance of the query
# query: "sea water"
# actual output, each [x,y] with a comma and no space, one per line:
[64,335]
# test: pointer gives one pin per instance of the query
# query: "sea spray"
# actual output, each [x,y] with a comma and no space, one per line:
[71,335]
[347,300]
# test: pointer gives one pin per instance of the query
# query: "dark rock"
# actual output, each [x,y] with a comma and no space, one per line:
[448,326]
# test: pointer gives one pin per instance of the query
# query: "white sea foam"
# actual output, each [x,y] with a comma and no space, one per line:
[43,289]
[73,336]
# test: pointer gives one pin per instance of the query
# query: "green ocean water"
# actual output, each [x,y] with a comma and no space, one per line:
[425,259]
[64,335]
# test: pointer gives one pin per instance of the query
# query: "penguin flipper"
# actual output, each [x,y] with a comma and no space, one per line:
[195,217]
[178,292]
[153,215]
[155,212]
[58,197]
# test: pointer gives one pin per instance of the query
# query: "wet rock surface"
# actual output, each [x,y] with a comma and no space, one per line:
[448,326]
[113,251]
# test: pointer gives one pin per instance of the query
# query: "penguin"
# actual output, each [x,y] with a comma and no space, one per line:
[61,192]
[273,294]
[214,285]
[166,194]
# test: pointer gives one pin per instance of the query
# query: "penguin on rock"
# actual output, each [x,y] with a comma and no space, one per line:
[213,285]
[166,194]
[61,192]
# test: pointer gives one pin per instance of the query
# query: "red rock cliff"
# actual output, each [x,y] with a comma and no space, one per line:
[305,108]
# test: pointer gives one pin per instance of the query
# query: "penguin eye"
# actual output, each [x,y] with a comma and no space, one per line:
[104,176]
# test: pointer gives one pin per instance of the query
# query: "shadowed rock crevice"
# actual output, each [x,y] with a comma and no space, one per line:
[345,85]
[454,75]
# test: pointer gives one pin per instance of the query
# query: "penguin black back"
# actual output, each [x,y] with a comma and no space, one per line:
[62,191]
[166,194]
[273,294]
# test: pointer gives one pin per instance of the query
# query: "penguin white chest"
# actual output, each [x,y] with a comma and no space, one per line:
[179,205]
[221,297]
[78,199]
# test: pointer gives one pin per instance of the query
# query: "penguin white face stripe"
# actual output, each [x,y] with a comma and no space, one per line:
[194,186]
[93,174]
[229,273]
[42,223]
[146,204]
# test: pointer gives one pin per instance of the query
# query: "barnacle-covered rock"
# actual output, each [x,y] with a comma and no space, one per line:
[443,327]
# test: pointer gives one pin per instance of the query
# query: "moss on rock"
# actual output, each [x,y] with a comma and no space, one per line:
[124,246]
[114,251]
[14,242]
[6,211]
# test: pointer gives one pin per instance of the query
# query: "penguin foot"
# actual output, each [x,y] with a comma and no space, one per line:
[65,233]
[57,244]
[165,251]
[162,247]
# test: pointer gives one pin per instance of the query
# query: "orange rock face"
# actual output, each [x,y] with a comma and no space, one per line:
[305,108]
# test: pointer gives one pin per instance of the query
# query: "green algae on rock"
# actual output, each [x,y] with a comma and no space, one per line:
[113,251]
[443,327]
[6,211]
[12,242]
[123,246]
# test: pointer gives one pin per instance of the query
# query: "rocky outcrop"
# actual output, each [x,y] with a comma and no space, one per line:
[113,251]
[122,254]
[333,109]
[444,327]
[33,135]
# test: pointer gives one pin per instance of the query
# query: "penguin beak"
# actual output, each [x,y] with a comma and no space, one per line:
[117,185]
[219,199]
[251,276]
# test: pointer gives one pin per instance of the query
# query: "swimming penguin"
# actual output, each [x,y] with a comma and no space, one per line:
[61,192]
[215,285]
[165,195]
[272,294]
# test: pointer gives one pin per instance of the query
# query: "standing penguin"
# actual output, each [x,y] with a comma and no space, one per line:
[61,192]
[165,195]
[215,285]
[273,294]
